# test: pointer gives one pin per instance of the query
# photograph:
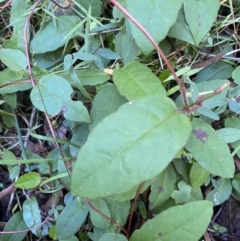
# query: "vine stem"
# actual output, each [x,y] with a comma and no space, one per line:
[68,165]
[158,49]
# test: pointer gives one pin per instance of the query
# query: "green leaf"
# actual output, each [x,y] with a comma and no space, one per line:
[210,150]
[14,59]
[16,223]
[198,175]
[153,14]
[97,218]
[200,16]
[105,102]
[90,77]
[162,187]
[53,35]
[135,81]
[28,181]
[70,219]
[72,238]
[79,136]
[187,222]
[94,5]
[183,194]
[126,47]
[18,20]
[11,83]
[229,135]
[180,29]
[107,53]
[32,215]
[113,237]
[124,147]
[221,192]
[219,70]
[119,211]
[53,95]
[236,75]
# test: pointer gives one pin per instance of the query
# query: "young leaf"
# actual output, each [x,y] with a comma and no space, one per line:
[187,222]
[52,37]
[183,194]
[129,146]
[200,16]
[210,150]
[53,93]
[16,223]
[70,220]
[28,180]
[135,81]
[153,14]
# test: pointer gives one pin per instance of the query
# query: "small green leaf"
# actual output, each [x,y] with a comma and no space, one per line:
[32,215]
[198,175]
[210,150]
[236,75]
[180,29]
[53,95]
[126,47]
[16,223]
[14,59]
[229,135]
[113,237]
[220,193]
[219,70]
[28,181]
[72,238]
[51,36]
[107,53]
[183,222]
[153,14]
[105,102]
[162,187]
[70,220]
[135,81]
[79,136]
[119,211]
[97,218]
[135,132]
[183,194]
[200,15]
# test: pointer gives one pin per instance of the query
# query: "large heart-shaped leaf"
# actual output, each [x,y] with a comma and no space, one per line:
[200,16]
[182,223]
[210,150]
[128,147]
[53,96]
[136,80]
[157,16]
